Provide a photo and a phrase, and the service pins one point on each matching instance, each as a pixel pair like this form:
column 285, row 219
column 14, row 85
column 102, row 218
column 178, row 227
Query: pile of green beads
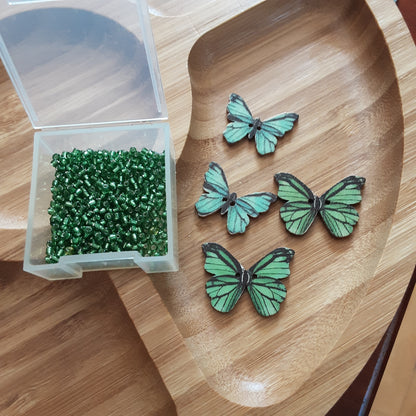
column 105, row 201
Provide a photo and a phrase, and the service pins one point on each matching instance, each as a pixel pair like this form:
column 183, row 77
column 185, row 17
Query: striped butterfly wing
column 226, row 286
column 240, row 117
column 247, row 206
column 216, row 191
column 299, row 212
column 266, row 136
column 265, row 288
column 336, row 211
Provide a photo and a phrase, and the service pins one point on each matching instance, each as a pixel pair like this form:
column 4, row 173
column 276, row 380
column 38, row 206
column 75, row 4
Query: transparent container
column 82, row 62
column 154, row 137
column 86, row 72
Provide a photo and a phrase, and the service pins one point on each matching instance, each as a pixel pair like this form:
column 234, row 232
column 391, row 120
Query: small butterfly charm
column 334, row 205
column 218, row 197
column 262, row 280
column 265, row 132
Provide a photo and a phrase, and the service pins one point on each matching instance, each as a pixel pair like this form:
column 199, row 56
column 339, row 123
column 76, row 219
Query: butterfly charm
column 334, row 205
column 265, row 132
column 262, row 280
column 218, row 197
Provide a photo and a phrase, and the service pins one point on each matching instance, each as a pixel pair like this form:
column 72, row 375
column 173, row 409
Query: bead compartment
column 155, row 137
column 104, row 201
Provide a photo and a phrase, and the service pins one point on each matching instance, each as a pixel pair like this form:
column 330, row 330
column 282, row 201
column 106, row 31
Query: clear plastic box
column 154, row 137
column 87, row 74
column 82, row 62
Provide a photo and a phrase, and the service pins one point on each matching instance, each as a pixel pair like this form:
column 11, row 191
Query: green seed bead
column 69, row 251
column 98, row 226
column 87, row 229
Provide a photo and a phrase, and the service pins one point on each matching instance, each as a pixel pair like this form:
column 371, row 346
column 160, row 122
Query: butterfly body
column 217, row 197
column 262, row 280
column 265, row 133
column 245, row 277
column 228, row 202
column 255, row 126
column 334, row 206
column 317, row 203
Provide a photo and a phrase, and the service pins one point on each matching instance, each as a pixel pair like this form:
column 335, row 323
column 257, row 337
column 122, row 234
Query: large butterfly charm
column 265, row 132
column 218, row 197
column 262, row 280
column 334, row 205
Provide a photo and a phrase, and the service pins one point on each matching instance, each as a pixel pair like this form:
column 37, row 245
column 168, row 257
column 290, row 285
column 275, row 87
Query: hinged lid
column 82, row 62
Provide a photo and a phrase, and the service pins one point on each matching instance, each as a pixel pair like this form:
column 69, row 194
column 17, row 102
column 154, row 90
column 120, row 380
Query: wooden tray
column 348, row 69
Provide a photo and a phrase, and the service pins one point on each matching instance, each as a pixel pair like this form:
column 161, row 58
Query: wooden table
column 126, row 343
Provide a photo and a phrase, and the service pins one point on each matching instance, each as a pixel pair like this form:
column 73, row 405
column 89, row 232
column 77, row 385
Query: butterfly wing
column 338, row 214
column 248, row 206
column 225, row 287
column 236, row 131
column 216, row 188
column 265, row 288
column 271, row 129
column 240, row 117
column 300, row 211
column 238, row 110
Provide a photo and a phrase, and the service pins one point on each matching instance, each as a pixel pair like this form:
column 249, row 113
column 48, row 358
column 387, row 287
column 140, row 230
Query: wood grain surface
column 396, row 393
column 70, row 348
column 348, row 70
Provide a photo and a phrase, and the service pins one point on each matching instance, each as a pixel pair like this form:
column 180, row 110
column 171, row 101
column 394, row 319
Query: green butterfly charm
column 334, row 205
column 218, row 197
column 244, row 125
column 262, row 280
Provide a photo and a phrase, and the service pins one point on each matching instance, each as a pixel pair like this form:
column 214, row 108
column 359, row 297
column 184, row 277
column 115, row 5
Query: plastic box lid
column 82, row 62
